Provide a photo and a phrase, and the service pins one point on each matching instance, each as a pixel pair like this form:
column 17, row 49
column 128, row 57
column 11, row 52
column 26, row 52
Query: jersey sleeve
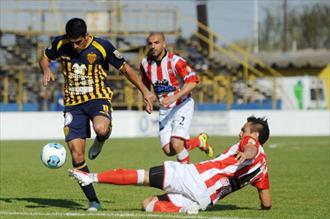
column 186, row 72
column 113, row 55
column 52, row 51
column 263, row 183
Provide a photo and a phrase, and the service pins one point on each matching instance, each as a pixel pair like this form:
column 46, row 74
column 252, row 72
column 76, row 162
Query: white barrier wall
column 49, row 125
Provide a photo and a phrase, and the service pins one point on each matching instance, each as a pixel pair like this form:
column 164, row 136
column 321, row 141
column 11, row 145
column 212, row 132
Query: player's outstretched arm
column 47, row 73
column 265, row 199
column 133, row 76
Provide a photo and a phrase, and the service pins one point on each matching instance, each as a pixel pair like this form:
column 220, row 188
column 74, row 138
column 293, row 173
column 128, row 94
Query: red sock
column 118, row 177
column 165, row 206
column 192, row 143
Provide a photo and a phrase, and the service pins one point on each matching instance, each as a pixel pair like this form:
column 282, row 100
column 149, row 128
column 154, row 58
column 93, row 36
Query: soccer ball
column 53, row 155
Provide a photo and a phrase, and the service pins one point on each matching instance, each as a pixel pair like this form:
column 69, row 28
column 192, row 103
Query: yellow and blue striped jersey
column 85, row 72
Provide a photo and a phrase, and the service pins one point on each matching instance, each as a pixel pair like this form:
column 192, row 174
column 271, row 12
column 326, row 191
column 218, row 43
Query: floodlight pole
column 255, row 27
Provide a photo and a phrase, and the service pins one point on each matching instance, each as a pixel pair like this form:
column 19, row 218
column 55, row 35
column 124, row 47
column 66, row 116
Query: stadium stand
column 230, row 76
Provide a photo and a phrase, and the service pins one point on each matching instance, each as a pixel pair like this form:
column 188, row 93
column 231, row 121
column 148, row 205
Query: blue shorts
column 77, row 118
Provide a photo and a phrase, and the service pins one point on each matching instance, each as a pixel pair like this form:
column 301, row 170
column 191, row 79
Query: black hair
column 75, row 28
column 260, row 125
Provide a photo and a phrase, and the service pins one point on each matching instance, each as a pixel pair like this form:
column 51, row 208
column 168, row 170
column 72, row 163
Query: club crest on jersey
column 117, row 54
column 91, row 58
column 251, row 141
column 163, row 86
column 224, row 181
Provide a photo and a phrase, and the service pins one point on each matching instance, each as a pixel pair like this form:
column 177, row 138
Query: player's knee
column 168, row 151
column 102, row 131
column 148, row 203
column 177, row 144
column 267, row 206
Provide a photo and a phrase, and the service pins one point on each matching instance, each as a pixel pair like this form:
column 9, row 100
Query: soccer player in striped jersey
column 193, row 187
column 87, row 95
column 173, row 81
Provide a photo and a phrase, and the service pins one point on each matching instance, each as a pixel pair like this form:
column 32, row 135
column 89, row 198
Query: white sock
column 182, row 155
column 95, row 177
column 140, row 176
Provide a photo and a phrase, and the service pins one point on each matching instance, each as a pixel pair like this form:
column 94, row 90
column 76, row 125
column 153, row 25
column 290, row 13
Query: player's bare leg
column 102, row 128
column 176, row 147
column 77, row 149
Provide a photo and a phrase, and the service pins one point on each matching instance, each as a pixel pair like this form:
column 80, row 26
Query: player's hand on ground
column 149, row 99
column 167, row 101
column 48, row 75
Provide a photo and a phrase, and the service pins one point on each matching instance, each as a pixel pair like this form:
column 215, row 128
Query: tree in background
column 307, row 28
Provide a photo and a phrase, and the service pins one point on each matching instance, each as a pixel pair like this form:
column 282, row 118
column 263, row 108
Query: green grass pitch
column 299, row 174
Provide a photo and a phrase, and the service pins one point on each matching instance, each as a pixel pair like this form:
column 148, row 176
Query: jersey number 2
column 182, row 120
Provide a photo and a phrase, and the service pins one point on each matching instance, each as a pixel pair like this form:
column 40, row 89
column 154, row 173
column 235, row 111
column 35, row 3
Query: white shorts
column 184, row 185
column 175, row 121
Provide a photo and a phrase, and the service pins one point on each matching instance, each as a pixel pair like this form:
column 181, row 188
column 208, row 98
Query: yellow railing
column 238, row 55
column 231, row 54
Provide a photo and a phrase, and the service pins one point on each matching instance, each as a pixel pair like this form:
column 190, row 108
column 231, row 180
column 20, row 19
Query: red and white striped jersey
column 167, row 76
column 225, row 165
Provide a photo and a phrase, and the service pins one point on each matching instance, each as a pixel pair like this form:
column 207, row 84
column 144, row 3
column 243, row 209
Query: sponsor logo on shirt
column 163, row 86
column 117, row 54
column 79, row 69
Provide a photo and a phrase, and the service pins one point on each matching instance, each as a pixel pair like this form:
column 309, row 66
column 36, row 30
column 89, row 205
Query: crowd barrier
column 126, row 124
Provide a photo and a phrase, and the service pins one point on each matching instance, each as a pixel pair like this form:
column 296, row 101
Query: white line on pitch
column 122, row 214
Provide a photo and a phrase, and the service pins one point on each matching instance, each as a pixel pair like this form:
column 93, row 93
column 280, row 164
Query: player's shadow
column 45, row 202
column 224, row 207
